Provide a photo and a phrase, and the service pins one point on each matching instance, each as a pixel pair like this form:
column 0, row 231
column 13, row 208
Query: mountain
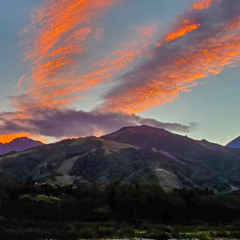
column 142, row 155
column 94, row 161
column 181, row 147
column 18, row 144
column 214, row 165
column 234, row 143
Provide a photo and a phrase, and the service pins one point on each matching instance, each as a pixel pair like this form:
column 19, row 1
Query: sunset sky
column 72, row 68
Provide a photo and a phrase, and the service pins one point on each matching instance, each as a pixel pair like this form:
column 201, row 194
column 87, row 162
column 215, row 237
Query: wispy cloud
column 203, row 4
column 202, row 42
column 62, row 30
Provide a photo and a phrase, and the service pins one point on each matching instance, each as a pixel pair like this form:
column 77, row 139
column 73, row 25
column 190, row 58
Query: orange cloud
column 203, row 4
column 121, row 59
column 19, row 84
column 175, row 68
column 184, row 27
column 113, row 63
column 167, row 83
column 59, row 92
column 147, row 32
column 188, row 26
column 63, row 28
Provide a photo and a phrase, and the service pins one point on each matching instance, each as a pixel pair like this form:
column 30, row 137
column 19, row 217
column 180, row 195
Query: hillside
column 139, row 155
column 18, row 144
column 213, row 164
column 92, row 160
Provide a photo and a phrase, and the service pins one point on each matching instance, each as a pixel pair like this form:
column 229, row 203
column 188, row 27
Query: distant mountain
column 234, row 143
column 18, row 144
column 143, row 155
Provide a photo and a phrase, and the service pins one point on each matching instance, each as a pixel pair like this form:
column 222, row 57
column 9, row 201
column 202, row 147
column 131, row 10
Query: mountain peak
column 19, row 144
column 136, row 134
column 234, row 143
column 21, row 139
column 143, row 136
column 156, row 138
column 141, row 128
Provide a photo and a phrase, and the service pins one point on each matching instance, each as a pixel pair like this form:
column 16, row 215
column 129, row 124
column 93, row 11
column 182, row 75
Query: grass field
column 14, row 229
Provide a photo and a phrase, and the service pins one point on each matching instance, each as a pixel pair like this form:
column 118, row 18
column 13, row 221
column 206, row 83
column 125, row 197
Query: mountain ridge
column 18, row 144
column 142, row 154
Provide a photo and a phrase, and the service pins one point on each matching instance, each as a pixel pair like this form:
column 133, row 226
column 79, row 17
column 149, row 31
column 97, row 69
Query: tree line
column 115, row 202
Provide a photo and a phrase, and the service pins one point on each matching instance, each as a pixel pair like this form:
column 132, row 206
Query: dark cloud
column 61, row 123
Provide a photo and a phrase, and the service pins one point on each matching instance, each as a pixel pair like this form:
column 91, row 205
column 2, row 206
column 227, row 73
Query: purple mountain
column 18, row 144
column 234, row 143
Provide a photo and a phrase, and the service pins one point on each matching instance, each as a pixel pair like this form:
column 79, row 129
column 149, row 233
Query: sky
column 72, row 68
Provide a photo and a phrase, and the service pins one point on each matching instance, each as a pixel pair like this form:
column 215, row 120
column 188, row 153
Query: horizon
column 89, row 136
column 71, row 69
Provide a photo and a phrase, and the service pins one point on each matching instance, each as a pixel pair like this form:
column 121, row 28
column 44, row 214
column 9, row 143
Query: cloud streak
column 203, row 4
column 203, row 41
column 62, row 29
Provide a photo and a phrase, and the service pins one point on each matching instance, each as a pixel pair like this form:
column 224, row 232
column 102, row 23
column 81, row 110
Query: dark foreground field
column 41, row 211
column 29, row 230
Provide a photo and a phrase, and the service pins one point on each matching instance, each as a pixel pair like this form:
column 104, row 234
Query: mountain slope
column 142, row 155
column 234, row 143
column 95, row 161
column 212, row 162
column 18, row 144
